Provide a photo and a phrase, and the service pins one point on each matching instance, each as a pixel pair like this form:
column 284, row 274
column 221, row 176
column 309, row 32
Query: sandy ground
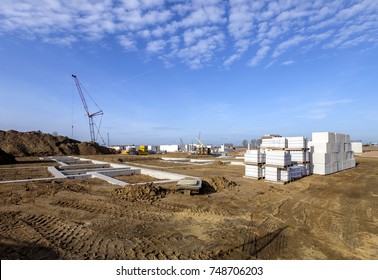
column 317, row 217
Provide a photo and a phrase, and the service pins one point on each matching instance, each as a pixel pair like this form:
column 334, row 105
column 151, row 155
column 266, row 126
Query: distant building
column 169, row 148
column 226, row 148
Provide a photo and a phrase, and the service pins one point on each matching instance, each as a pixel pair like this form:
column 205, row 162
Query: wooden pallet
column 254, row 163
column 278, row 182
column 300, row 162
column 296, row 149
column 279, row 166
column 253, row 178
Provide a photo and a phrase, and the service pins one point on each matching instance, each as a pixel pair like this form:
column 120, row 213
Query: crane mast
column 89, row 115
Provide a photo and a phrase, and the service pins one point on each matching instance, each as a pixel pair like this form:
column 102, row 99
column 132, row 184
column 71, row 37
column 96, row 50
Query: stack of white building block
column 254, row 157
column 357, row 147
column 330, row 153
column 283, row 159
column 274, row 142
column 254, row 160
column 277, row 167
column 279, row 159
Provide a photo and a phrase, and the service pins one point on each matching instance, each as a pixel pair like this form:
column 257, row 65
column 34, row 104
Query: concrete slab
column 56, row 172
column 118, row 172
column 83, row 171
column 109, row 179
column 87, row 166
column 176, row 159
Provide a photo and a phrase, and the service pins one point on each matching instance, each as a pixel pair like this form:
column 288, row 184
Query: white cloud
column 127, row 43
column 321, row 109
column 260, row 55
column 195, row 31
column 204, row 15
column 288, row 62
column 284, row 46
column 192, row 35
column 155, row 46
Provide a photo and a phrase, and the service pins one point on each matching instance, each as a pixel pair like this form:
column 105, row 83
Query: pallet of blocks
column 274, row 143
column 277, row 167
column 254, row 164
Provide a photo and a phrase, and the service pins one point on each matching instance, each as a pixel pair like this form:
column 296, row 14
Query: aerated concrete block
column 254, row 171
column 323, row 137
column 325, row 169
column 324, row 158
column 356, row 147
column 321, row 147
column 272, row 174
column 297, row 142
column 298, row 156
column 279, row 158
column 275, row 142
column 340, row 138
column 285, row 175
column 254, row 156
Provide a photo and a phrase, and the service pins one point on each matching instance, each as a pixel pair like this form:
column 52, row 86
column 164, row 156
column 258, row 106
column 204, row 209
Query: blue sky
column 165, row 70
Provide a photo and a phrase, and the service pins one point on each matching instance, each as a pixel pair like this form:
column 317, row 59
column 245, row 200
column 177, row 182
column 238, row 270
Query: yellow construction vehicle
column 143, row 150
column 130, row 150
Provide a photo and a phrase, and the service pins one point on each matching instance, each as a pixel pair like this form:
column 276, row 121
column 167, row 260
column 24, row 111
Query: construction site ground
column 316, row 217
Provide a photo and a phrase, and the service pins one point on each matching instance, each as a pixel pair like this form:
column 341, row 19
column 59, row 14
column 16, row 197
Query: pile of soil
column 218, row 162
column 218, row 183
column 6, row 158
column 36, row 143
column 147, row 192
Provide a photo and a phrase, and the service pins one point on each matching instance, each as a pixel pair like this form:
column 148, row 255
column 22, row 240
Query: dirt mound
column 217, row 183
column 36, row 143
column 147, row 192
column 218, row 162
column 92, row 148
column 6, row 158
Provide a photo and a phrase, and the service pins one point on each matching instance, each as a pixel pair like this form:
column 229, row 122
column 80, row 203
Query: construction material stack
column 300, row 155
column 279, row 159
column 254, row 164
column 277, row 167
column 331, row 152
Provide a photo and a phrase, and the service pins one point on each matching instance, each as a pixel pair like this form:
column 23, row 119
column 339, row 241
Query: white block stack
column 356, row 147
column 278, row 158
column 272, row 174
column 330, row 153
column 275, row 142
column 254, row 171
column 283, row 159
column 254, row 160
column 297, row 142
column 254, row 157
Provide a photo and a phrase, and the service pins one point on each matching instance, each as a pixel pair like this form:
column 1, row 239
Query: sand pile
column 218, row 183
column 6, row 158
column 147, row 192
column 36, row 143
